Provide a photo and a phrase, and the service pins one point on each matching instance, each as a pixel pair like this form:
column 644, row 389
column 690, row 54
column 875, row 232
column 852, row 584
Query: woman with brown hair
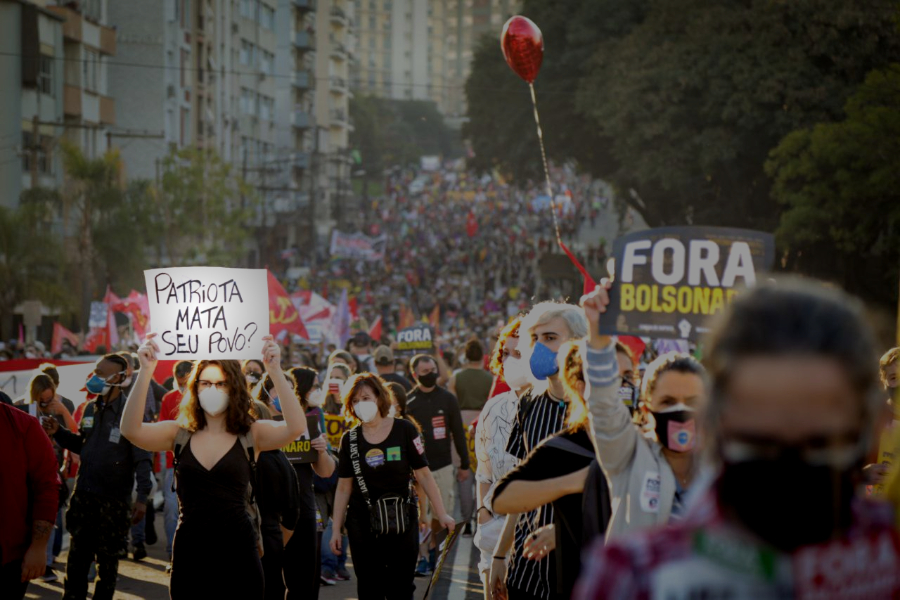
column 214, row 473
column 378, row 460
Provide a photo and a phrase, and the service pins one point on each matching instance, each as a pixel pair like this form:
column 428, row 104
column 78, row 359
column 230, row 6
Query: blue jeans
column 171, row 510
column 329, row 560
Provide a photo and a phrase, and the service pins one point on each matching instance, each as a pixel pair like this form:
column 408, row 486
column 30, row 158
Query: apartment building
column 335, row 43
column 53, row 62
column 423, row 49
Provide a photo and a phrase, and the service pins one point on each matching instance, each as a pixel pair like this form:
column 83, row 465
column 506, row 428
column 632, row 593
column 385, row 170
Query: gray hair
column 544, row 312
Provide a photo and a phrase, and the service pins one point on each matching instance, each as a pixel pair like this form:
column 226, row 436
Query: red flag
column 589, row 283
column 354, row 309
column 96, row 337
column 60, row 333
column 471, row 224
column 435, row 318
column 112, row 331
column 375, row 331
column 407, row 319
column 283, row 315
column 137, row 307
column 635, row 344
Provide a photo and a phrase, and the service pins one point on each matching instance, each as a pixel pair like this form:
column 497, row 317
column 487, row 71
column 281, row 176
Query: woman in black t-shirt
column 390, row 453
column 555, row 472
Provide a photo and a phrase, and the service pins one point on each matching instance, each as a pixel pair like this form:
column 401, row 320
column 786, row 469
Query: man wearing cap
column 384, row 362
column 359, row 346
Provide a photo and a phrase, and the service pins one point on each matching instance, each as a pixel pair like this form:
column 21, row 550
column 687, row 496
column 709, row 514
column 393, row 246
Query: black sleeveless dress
column 214, row 554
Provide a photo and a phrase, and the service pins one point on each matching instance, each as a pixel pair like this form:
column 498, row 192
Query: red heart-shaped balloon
column 523, row 47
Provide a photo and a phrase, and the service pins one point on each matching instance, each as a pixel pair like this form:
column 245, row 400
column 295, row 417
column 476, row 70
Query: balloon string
column 537, row 120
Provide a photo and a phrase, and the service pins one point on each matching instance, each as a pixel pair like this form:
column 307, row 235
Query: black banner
column 415, row 340
column 301, row 451
column 669, row 281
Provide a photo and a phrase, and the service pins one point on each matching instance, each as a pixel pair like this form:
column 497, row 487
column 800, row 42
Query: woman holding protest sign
column 649, row 476
column 215, row 441
column 378, row 460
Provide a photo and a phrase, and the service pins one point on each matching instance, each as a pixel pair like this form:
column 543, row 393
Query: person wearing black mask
column 793, row 398
column 100, row 510
column 437, row 412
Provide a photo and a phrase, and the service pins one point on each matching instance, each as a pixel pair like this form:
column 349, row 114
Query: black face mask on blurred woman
column 428, row 379
column 787, row 501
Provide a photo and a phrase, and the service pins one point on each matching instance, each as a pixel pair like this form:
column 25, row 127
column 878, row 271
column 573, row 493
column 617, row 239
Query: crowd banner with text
column 208, row 312
column 357, row 245
column 417, row 339
column 669, row 281
column 335, row 426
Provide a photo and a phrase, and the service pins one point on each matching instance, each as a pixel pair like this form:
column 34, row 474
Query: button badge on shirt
column 374, row 458
column 439, row 427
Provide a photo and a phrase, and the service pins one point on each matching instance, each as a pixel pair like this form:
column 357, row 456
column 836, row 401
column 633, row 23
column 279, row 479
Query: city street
column 147, row 579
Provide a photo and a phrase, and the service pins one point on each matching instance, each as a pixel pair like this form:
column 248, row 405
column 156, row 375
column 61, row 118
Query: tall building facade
column 53, row 63
column 423, row 49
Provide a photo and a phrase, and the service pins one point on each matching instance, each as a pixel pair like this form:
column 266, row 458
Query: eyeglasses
column 220, row 385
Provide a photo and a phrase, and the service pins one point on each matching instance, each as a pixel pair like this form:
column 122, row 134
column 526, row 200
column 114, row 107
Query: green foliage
column 202, row 211
column 398, row 132
column 31, row 263
column 679, row 101
column 839, row 184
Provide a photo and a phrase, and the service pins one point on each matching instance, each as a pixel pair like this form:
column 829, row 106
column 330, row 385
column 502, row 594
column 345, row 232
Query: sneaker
column 467, row 531
column 139, row 553
column 422, row 569
column 168, row 568
column 342, row 574
column 92, row 572
column 49, row 575
column 323, row 580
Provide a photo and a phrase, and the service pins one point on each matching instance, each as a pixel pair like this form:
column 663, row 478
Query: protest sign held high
column 300, row 450
column 670, row 280
column 415, row 339
column 208, row 312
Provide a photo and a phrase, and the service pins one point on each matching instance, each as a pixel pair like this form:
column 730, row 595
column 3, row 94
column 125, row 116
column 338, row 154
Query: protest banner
column 208, row 312
column 444, row 552
column 335, row 426
column 669, row 281
column 300, row 450
column 414, row 340
column 357, row 245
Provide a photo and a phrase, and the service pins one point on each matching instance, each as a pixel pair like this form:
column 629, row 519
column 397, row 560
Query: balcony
column 339, row 118
column 338, row 17
column 74, row 25
column 301, row 119
column 303, row 41
column 338, row 85
column 304, row 4
column 338, row 50
column 107, row 110
column 301, row 160
column 71, row 101
column 302, row 80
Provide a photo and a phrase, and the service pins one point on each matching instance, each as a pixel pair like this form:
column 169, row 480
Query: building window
column 246, row 52
column 185, row 13
column 247, row 9
column 247, row 102
column 45, row 75
column 267, row 62
column 89, row 70
column 266, row 108
column 267, row 17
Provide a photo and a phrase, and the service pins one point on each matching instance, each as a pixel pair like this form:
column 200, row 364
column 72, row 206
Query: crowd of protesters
column 753, row 471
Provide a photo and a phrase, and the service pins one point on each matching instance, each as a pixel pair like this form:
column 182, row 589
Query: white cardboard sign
column 208, row 312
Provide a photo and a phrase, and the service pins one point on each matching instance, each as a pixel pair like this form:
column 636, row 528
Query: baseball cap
column 361, row 339
column 383, row 355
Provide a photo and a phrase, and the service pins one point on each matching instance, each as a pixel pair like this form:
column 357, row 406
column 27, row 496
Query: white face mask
column 392, row 411
column 366, row 410
column 515, row 372
column 316, row 398
column 127, row 381
column 213, row 401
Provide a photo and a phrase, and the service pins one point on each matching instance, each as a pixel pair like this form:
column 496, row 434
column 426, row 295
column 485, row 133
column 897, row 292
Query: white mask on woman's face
column 213, row 401
column 316, row 398
column 515, row 372
column 392, row 411
column 366, row 410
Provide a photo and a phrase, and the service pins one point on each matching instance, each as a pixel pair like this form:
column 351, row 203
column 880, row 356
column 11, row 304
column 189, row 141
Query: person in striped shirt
column 541, row 413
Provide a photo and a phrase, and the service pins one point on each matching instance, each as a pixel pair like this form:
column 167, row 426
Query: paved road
column 148, row 580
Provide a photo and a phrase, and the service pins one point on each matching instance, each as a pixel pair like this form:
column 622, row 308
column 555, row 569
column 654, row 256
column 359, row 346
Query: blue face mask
column 96, row 385
column 277, row 403
column 543, row 362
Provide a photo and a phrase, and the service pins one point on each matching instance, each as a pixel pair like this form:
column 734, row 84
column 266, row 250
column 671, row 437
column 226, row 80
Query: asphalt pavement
column 148, row 580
